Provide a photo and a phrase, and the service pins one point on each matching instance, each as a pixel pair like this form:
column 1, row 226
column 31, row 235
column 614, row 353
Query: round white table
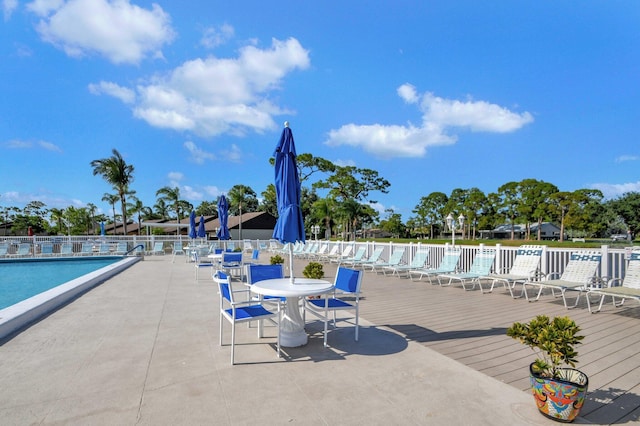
column 292, row 333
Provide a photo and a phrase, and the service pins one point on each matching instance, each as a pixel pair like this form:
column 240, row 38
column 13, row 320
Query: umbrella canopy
column 201, row 231
column 102, row 228
column 290, row 225
column 223, row 216
column 192, row 224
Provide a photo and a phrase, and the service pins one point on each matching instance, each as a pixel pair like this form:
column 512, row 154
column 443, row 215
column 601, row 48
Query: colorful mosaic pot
column 559, row 399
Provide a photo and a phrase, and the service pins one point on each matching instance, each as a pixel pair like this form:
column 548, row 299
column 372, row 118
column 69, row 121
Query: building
column 548, row 231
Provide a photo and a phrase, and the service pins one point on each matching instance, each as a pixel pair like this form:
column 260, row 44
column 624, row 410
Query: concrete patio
column 142, row 348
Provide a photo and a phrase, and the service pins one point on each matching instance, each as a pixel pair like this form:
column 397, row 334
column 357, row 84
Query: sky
column 433, row 95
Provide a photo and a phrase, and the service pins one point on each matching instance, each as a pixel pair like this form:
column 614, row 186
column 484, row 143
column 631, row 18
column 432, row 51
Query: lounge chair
column 178, row 249
column 325, row 258
column 525, row 267
column 66, row 249
column 622, row 288
column 104, row 249
column 46, row 249
column 349, row 261
column 4, row 249
column 24, row 249
column 419, row 261
column 448, row 264
column 158, row 248
column 86, row 249
column 121, row 248
column 481, row 266
column 394, row 260
column 375, row 257
column 346, row 253
column 579, row 275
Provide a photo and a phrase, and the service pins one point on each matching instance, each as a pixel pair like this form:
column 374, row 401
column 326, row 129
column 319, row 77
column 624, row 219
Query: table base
column 292, row 333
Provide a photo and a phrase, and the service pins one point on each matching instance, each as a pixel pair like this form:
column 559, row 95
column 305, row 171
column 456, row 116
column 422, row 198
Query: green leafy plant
column 277, row 259
column 553, row 341
column 313, row 270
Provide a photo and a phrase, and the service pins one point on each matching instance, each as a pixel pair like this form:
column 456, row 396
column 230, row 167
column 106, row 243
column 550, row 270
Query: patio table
column 292, row 333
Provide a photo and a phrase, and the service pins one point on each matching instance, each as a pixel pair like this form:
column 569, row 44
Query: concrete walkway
column 142, row 348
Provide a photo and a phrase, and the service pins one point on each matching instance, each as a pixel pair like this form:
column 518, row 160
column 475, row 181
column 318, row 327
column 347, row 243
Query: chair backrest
column 581, row 266
column 360, row 253
column 24, row 248
column 87, row 248
column 224, row 285
column 105, row 248
column 255, row 255
column 419, row 259
column 483, row 262
column 4, row 248
column 632, row 274
column 348, row 280
column 396, row 257
column 527, row 260
column 450, row 260
column 122, row 247
column 376, row 254
column 334, row 250
column 66, row 248
column 232, row 258
column 257, row 273
column 158, row 246
column 347, row 251
column 46, row 248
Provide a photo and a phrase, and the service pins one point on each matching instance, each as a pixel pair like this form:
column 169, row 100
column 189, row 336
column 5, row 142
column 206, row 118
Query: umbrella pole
column 291, row 278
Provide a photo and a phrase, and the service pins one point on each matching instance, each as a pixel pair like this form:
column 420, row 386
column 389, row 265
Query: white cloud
column 344, row 163
column 623, row 158
column 214, row 37
column 613, row 190
column 213, row 96
column 439, row 116
column 233, row 154
column 20, row 199
column 198, row 155
column 212, row 191
column 175, row 178
column 21, row 144
column 115, row 29
column 190, row 193
column 126, row 95
column 8, row 6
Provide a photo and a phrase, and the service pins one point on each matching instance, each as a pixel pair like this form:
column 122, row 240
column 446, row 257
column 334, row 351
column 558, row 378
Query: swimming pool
column 32, row 288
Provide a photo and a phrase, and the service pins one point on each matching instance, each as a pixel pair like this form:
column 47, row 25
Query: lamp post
column 453, row 225
column 315, row 230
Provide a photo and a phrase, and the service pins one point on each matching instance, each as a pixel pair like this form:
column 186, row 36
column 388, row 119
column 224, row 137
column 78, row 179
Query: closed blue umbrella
column 290, row 225
column 102, row 228
column 223, row 216
column 201, row 231
column 192, row 225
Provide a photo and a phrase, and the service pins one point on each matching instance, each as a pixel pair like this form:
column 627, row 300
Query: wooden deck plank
column 470, row 327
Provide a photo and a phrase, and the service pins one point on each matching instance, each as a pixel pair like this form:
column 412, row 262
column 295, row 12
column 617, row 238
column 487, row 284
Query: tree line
column 347, row 207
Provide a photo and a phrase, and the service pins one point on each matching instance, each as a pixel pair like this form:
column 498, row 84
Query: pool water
column 22, row 279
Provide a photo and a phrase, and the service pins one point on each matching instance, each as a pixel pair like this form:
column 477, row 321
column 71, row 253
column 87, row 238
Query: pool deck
column 142, row 349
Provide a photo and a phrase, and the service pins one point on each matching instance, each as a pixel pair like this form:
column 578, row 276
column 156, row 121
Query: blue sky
column 434, row 95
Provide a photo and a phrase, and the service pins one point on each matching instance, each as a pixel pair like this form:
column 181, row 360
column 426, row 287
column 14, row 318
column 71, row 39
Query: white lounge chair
column 525, row 267
column 419, row 261
column 621, row 288
column 394, row 260
column 579, row 275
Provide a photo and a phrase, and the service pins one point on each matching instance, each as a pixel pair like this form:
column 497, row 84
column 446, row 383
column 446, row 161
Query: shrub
column 277, row 259
column 313, row 270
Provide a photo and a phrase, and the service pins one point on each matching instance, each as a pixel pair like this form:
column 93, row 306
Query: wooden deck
column 470, row 327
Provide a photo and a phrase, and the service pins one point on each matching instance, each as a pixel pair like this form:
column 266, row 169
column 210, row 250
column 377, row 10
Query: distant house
column 548, row 231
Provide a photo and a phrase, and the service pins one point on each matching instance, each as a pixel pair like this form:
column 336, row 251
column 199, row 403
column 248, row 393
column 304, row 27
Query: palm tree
column 91, row 208
column 171, row 196
column 57, row 216
column 119, row 174
column 136, row 206
column 112, row 199
column 239, row 195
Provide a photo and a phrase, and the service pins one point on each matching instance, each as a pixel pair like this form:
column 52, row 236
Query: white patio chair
column 241, row 312
column 347, row 284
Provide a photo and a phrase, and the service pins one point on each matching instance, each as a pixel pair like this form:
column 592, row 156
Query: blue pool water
column 22, row 279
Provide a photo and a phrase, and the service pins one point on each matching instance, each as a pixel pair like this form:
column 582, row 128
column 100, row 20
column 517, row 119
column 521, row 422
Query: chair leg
column 357, row 322
column 233, row 341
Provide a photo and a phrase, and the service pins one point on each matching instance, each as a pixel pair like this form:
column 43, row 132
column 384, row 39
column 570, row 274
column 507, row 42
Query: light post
column 315, row 230
column 453, row 225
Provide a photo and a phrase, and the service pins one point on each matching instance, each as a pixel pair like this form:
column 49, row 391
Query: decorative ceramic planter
column 557, row 399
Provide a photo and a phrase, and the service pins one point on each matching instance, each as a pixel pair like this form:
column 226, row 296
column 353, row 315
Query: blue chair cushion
column 246, row 312
column 333, row 303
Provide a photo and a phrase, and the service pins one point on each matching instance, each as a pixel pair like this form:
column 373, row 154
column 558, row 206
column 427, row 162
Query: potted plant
column 559, row 390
